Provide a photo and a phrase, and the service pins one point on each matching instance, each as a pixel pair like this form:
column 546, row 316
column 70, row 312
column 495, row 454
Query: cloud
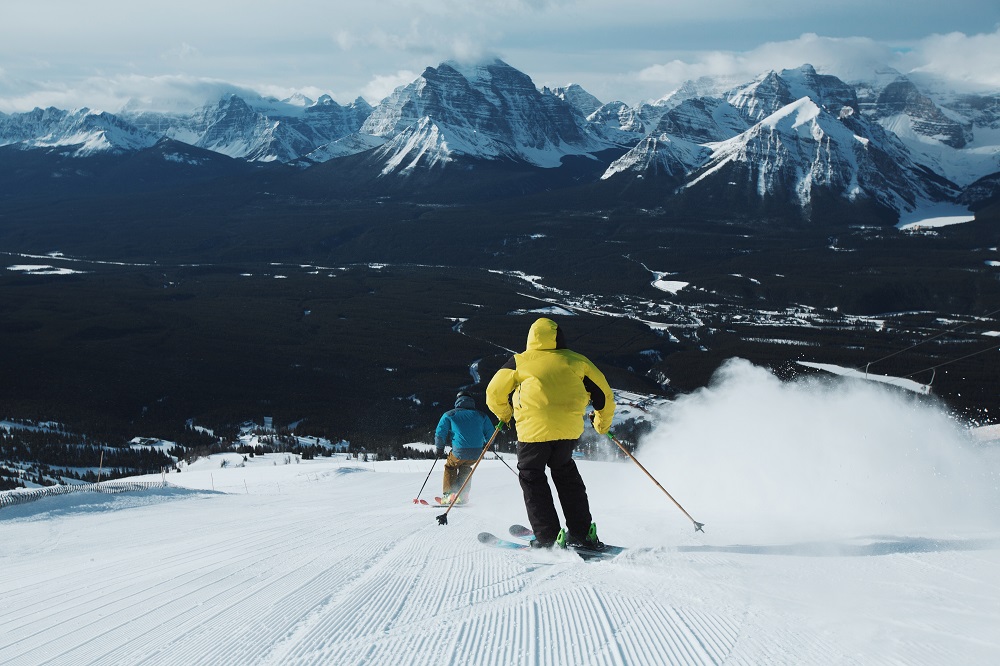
column 845, row 57
column 631, row 50
column 166, row 93
column 425, row 40
column 17, row 95
column 382, row 85
column 170, row 92
column 413, row 39
column 498, row 8
column 155, row 93
column 182, row 51
column 345, row 39
column 464, row 48
column 968, row 61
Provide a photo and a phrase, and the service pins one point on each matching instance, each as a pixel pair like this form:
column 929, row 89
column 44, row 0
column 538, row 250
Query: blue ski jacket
column 465, row 428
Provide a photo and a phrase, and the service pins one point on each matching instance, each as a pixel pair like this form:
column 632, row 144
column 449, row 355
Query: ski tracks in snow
column 460, row 603
column 314, row 576
column 284, row 580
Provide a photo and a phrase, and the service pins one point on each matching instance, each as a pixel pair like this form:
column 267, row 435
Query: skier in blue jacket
column 467, row 430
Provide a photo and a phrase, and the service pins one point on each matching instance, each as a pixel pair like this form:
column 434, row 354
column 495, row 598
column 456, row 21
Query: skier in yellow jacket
column 546, row 390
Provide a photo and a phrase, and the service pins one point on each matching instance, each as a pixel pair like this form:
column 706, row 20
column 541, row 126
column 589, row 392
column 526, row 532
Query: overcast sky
column 176, row 54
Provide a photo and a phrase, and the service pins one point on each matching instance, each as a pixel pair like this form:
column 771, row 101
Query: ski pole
column 417, row 500
column 506, row 465
column 443, row 518
column 697, row 526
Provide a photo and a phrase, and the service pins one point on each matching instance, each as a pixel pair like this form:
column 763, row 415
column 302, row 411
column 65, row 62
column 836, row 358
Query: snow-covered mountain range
column 902, row 142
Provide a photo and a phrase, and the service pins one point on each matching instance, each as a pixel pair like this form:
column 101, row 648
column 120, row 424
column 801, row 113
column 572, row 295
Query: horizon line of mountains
column 793, row 136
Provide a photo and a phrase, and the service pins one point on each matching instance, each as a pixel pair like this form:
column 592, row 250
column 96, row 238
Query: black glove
column 440, row 453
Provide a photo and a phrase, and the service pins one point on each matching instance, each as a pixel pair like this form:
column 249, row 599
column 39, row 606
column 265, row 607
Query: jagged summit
column 802, row 148
column 483, row 111
column 579, row 98
column 705, row 86
column 827, row 91
column 85, row 131
column 298, row 99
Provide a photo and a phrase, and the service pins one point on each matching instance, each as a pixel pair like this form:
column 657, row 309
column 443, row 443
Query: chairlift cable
column 933, row 337
column 954, row 360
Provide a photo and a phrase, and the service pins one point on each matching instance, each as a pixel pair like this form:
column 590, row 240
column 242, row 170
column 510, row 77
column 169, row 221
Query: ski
column 522, row 532
column 440, row 502
column 497, row 542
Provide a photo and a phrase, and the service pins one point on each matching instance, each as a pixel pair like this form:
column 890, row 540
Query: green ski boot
column 590, row 542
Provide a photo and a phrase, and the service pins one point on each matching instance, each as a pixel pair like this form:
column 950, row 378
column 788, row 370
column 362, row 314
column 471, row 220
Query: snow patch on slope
column 932, row 216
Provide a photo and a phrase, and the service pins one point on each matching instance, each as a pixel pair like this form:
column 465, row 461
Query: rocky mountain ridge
column 893, row 140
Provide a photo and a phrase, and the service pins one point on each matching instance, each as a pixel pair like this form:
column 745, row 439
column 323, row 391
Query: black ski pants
column 557, row 455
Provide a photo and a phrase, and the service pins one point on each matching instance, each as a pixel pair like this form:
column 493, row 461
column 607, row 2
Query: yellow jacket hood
column 547, row 388
column 544, row 334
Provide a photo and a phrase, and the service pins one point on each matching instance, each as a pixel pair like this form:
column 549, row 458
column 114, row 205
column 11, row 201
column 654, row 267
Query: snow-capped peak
column 86, row 130
column 299, row 99
column 487, row 110
column 579, row 98
column 800, row 116
column 802, row 147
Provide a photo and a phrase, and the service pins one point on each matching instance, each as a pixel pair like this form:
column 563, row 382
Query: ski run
column 844, row 524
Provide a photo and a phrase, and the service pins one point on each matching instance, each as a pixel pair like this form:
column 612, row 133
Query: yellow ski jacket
column 547, row 387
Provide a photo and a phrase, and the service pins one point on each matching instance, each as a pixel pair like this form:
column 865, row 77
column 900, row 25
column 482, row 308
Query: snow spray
column 821, row 457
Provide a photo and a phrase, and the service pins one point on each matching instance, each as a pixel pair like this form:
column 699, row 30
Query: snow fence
column 12, row 497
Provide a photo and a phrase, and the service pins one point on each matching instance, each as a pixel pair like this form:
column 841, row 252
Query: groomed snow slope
column 845, row 524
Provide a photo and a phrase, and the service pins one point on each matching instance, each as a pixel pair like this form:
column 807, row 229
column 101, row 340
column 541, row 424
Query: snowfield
column 845, row 523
